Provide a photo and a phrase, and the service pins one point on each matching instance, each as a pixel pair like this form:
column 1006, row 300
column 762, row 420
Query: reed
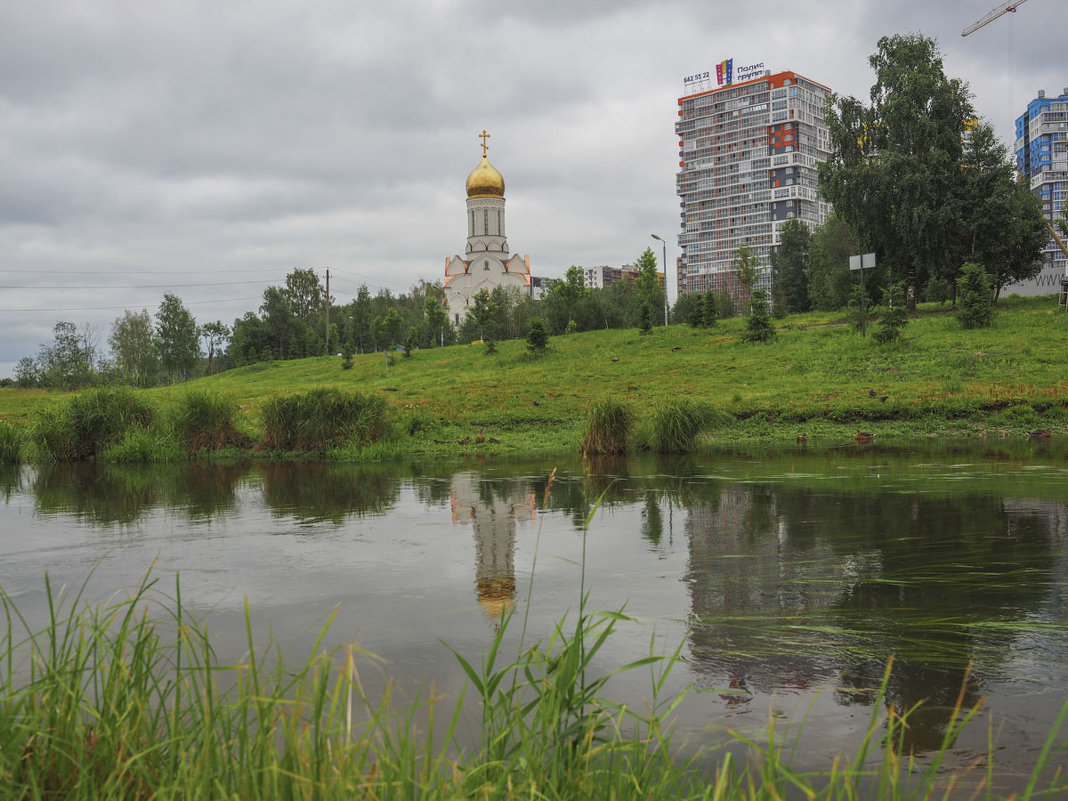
column 205, row 421
column 608, row 428
column 98, row 703
column 676, row 426
column 10, row 444
column 89, row 423
column 323, row 418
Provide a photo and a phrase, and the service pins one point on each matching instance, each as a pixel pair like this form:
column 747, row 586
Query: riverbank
column 818, row 377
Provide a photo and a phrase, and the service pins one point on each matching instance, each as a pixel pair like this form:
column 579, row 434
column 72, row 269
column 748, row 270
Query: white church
column 487, row 264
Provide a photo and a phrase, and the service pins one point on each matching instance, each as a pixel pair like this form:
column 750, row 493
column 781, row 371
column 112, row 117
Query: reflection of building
column 493, row 520
column 1042, row 160
column 748, row 152
column 487, row 264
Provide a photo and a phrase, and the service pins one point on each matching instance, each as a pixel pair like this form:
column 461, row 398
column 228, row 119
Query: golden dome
column 485, row 181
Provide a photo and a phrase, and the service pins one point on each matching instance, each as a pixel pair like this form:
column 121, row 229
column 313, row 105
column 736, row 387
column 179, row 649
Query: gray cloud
column 196, row 142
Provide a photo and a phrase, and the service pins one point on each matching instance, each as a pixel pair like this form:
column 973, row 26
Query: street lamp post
column 664, row 243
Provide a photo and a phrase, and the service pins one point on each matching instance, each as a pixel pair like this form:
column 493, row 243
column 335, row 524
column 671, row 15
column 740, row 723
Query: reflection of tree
column 492, row 509
column 652, row 519
column 99, row 494
column 791, row 586
column 313, row 491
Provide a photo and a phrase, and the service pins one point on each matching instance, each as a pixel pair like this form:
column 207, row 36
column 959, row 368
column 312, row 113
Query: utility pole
column 327, row 337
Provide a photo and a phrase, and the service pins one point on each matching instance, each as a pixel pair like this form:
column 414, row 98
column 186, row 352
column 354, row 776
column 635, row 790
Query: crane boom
column 1004, row 8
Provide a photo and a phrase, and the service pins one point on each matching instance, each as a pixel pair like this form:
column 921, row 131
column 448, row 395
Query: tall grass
column 98, row 703
column 323, row 418
column 10, row 444
column 676, row 425
column 89, row 423
column 205, row 421
column 608, row 428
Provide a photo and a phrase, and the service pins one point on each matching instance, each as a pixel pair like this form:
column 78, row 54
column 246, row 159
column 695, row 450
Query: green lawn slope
column 817, row 377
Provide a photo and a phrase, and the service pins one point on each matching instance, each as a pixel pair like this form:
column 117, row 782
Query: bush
column 608, row 429
column 537, row 337
column 10, row 444
column 975, row 297
column 204, row 421
column 676, row 425
column 88, row 424
column 758, row 325
column 893, row 316
column 323, row 418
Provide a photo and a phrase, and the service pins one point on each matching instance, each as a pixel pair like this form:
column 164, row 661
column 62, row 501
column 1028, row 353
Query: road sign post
column 862, row 262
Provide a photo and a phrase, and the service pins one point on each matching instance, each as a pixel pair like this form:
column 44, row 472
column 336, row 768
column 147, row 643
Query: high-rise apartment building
column 1042, row 159
column 748, row 152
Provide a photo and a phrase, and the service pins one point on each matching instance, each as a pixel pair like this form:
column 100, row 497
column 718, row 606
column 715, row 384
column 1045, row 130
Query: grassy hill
column 817, row 376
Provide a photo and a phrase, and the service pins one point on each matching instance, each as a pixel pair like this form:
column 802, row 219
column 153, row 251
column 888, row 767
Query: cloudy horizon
column 209, row 150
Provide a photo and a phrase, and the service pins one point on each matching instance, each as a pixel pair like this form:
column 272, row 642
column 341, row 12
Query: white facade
column 486, row 263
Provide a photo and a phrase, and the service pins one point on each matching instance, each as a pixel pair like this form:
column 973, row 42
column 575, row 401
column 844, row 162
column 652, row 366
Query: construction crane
column 1005, row 8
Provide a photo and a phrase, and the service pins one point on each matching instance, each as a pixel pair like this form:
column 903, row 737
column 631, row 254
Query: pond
column 787, row 577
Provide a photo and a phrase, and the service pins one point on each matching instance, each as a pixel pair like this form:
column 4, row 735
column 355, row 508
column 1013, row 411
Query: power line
column 134, row 306
column 132, row 286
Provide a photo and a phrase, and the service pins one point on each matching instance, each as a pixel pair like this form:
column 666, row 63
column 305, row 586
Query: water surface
column 789, row 577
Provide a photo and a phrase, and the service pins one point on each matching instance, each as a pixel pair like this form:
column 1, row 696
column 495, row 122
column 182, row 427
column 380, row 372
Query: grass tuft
column 323, row 418
column 89, row 423
column 204, row 421
column 609, row 426
column 10, row 444
column 676, row 425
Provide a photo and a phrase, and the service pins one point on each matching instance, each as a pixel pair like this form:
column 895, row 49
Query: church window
column 485, row 221
column 498, row 223
column 472, row 221
column 485, row 265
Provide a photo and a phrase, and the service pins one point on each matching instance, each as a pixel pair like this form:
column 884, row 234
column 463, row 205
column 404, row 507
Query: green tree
column 1003, row 226
column 830, row 280
column 66, row 363
column 387, row 329
column 563, row 299
column 895, row 163
column 278, row 315
column 177, row 337
column 436, row 322
column 537, row 337
column 214, row 335
column 975, row 297
column 789, row 266
column 360, row 316
column 709, row 309
column 746, row 270
column 27, row 373
column 647, row 285
column 305, row 294
column 481, row 317
column 133, row 348
column 758, row 325
column 893, row 315
column 250, row 338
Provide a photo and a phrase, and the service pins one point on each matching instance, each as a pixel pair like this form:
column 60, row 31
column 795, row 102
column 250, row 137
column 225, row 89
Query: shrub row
column 121, row 422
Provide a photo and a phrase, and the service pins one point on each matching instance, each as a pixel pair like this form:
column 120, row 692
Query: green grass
column 817, row 378
column 323, row 418
column 88, row 424
column 126, row 700
column 609, row 428
column 10, row 444
column 205, row 421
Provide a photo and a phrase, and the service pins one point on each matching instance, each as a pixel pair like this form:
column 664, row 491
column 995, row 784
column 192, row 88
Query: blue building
column 1042, row 160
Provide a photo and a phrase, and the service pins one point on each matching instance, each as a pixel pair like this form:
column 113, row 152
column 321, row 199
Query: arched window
column 485, row 264
column 485, row 221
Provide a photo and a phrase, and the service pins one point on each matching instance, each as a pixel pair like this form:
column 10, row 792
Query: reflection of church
column 487, row 264
column 494, row 525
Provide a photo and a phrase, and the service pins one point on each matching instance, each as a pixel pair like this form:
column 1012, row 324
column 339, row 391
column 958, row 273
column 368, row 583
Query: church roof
column 485, row 181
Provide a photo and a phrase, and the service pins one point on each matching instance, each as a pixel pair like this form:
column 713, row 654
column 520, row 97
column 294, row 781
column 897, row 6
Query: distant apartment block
column 748, row 150
column 602, row 276
column 1042, row 160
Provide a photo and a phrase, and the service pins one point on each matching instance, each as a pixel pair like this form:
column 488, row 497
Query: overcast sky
column 207, row 148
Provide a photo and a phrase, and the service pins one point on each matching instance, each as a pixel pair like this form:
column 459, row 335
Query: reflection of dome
column 485, row 181
column 495, row 596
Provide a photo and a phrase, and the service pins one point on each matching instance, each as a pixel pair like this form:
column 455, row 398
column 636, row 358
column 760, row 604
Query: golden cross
column 484, row 136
